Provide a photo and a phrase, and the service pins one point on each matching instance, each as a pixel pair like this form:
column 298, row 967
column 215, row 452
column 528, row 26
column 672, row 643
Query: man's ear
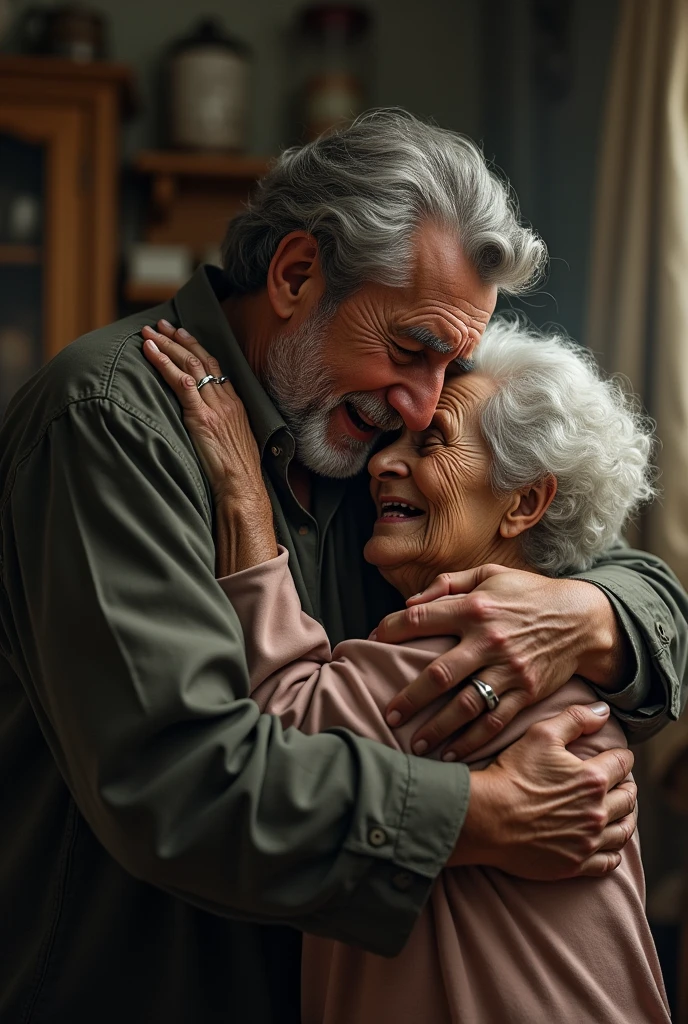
column 295, row 278
column 528, row 507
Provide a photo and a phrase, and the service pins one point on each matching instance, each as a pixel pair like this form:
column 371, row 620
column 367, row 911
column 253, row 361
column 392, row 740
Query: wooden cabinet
column 192, row 196
column 59, row 186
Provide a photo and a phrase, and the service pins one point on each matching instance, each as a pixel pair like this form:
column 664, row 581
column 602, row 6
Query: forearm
column 245, row 535
column 606, row 656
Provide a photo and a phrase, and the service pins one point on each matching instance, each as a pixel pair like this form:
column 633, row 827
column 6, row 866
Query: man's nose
column 416, row 403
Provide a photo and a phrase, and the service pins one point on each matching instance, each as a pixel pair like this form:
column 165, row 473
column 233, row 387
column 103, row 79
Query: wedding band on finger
column 486, row 692
column 210, row 378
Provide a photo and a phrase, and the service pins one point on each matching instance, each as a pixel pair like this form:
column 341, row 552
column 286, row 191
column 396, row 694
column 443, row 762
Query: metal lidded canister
column 208, row 77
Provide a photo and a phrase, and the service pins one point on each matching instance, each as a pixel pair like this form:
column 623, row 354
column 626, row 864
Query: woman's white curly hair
column 554, row 413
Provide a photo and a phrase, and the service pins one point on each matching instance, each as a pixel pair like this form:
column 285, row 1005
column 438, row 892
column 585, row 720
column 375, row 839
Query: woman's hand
column 221, row 434
column 214, row 416
column 523, row 634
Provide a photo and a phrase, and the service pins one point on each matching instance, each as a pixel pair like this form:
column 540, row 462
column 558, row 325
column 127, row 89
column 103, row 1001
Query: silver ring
column 221, row 380
column 210, row 378
column 486, row 692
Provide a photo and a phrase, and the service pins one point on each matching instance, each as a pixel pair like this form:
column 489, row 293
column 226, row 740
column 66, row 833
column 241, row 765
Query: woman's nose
column 389, row 463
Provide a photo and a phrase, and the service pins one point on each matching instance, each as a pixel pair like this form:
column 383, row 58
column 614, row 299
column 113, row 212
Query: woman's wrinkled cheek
column 448, row 512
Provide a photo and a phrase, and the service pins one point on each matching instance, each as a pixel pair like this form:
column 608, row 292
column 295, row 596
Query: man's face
column 377, row 362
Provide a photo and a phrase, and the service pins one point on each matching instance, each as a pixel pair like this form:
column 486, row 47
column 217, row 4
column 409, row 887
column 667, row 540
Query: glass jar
column 208, row 77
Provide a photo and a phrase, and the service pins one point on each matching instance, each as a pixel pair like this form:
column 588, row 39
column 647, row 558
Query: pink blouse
column 488, row 948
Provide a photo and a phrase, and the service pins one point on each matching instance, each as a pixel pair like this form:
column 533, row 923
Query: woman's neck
column 413, row 578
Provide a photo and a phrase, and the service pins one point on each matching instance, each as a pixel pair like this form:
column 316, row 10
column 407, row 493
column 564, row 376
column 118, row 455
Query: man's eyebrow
column 463, row 365
column 427, row 338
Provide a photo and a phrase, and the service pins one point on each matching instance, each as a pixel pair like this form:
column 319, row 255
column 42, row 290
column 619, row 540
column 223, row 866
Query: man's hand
column 540, row 812
column 523, row 634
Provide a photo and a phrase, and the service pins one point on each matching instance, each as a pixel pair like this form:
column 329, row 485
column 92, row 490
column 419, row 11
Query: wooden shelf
column 20, row 255
column 183, row 164
column 43, row 69
column 146, row 294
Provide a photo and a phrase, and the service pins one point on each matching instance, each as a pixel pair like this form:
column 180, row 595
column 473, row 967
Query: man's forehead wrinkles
column 461, row 305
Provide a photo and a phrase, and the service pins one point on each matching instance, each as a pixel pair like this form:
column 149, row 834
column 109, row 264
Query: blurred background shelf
column 178, row 163
column 191, row 198
column 20, row 255
column 143, row 294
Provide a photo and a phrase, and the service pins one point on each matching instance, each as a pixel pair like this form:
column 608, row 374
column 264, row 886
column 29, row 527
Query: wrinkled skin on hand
column 540, row 812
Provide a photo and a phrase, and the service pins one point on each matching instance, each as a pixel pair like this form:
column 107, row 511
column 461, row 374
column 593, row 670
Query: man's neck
column 247, row 318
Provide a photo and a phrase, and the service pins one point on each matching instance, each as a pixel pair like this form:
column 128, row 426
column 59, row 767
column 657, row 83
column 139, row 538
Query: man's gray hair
column 553, row 412
column 363, row 191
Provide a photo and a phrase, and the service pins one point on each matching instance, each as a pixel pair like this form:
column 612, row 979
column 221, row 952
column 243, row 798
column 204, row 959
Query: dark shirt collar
column 199, row 311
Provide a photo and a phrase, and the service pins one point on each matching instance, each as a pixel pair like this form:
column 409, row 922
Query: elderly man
column 154, row 822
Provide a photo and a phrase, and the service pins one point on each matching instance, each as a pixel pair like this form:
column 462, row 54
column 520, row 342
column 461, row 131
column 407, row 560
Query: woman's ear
column 528, row 507
column 295, row 278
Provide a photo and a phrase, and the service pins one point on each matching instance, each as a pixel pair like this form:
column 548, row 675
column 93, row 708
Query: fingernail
column 414, row 596
column 373, row 636
column 449, row 756
column 151, row 344
column 183, row 333
column 420, row 747
column 167, row 324
column 393, row 718
column 600, row 708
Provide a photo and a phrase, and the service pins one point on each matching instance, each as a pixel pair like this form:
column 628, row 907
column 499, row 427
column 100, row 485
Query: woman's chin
column 385, row 551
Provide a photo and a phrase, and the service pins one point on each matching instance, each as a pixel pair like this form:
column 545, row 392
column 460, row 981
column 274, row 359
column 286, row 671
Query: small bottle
column 334, row 58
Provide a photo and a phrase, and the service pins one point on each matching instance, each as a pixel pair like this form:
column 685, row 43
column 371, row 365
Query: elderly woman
column 532, row 461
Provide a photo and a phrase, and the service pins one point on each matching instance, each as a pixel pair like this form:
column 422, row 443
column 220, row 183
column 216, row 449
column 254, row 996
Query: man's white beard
column 301, row 387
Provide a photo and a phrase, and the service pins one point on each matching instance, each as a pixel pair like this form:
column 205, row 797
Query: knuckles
column 417, row 615
column 443, row 582
column 493, row 723
column 440, row 675
column 479, row 608
column 595, row 782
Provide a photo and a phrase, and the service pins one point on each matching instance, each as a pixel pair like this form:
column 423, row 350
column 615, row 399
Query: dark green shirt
column 153, row 821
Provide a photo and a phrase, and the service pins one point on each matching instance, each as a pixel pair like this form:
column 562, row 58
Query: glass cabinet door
column 22, row 190
column 43, row 259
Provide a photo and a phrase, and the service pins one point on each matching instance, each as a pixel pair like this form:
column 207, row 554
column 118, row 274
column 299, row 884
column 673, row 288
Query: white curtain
column 638, row 308
column 638, row 325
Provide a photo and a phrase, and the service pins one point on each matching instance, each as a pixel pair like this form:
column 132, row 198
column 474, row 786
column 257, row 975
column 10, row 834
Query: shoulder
column 104, row 372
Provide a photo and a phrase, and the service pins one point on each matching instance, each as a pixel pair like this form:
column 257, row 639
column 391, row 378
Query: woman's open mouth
column 395, row 511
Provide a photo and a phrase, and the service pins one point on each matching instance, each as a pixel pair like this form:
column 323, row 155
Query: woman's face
column 436, row 509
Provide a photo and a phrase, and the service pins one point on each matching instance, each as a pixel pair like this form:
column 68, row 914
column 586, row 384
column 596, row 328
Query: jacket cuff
column 652, row 695
column 407, row 854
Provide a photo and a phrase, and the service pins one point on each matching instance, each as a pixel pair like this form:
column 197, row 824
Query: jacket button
column 304, row 531
column 276, row 450
column 402, row 881
column 377, row 837
column 662, row 633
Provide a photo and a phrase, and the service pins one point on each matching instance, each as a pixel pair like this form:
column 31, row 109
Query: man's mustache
column 376, row 409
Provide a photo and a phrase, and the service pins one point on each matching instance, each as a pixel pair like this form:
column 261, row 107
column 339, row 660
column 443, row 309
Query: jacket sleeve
column 138, row 676
column 652, row 609
column 294, row 674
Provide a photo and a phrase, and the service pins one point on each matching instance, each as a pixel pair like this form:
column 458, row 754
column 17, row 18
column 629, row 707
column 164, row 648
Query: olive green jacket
column 153, row 821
